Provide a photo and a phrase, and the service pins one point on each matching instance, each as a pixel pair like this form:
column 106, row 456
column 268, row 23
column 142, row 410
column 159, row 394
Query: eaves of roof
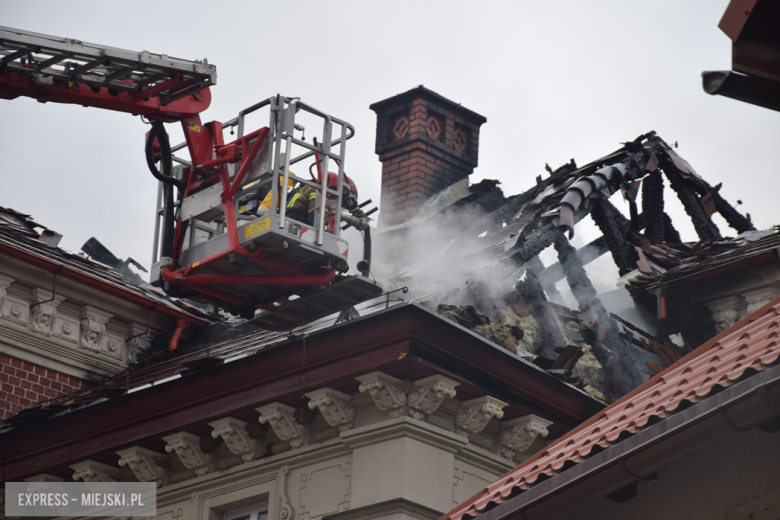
column 406, row 341
column 694, row 266
column 91, row 274
column 749, row 347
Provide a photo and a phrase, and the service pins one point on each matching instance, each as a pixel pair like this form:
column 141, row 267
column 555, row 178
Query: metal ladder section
column 99, row 66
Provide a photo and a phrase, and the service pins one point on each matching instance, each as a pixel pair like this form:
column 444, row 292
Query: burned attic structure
column 473, row 253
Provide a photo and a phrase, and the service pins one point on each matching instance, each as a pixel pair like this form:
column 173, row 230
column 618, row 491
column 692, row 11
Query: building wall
column 354, row 456
column 57, row 336
column 366, row 469
column 737, row 478
column 24, row 384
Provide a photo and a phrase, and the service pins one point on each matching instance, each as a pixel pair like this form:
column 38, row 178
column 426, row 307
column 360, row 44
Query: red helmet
column 349, row 187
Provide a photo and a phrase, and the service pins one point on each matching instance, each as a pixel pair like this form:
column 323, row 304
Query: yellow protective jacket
column 267, row 200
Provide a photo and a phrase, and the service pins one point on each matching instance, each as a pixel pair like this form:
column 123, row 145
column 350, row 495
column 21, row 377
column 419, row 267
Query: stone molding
column 518, row 434
column 282, row 420
column 145, row 465
column 474, row 414
column 234, row 433
column 484, row 459
column 402, row 398
column 404, row 427
column 285, row 508
column 759, row 297
column 334, row 406
column 93, row 327
column 187, row 447
column 92, row 471
column 724, row 312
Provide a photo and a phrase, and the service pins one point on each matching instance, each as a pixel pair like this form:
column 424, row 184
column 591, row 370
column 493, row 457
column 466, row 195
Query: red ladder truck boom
column 212, row 244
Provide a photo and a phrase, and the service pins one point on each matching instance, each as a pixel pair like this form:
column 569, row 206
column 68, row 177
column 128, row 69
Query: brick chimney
column 425, row 143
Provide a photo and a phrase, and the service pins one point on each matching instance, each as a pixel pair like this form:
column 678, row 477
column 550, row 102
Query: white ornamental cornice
column 43, row 311
column 474, row 414
column 428, row 393
column 92, row 471
column 93, row 326
column 138, row 342
column 187, row 447
column 334, row 406
column 234, row 433
column 389, row 393
column 518, row 434
column 282, row 420
column 145, row 465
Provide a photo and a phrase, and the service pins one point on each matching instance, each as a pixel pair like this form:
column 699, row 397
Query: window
column 256, row 512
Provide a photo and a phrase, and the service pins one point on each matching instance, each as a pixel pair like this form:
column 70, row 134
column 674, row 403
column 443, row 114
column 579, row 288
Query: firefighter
column 265, row 206
column 303, row 202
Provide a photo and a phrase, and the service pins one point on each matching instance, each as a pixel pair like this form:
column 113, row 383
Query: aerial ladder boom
column 211, row 244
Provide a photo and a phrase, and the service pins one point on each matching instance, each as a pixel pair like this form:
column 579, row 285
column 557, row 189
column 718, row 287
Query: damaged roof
column 747, row 348
column 19, row 239
column 667, row 263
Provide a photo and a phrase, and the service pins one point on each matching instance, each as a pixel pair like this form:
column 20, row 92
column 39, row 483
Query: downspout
column 180, row 326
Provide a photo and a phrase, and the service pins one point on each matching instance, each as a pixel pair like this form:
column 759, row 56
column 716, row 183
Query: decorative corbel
column 428, row 394
column 93, row 326
column 388, row 392
column 43, row 312
column 334, row 406
column 187, row 447
column 137, row 343
column 474, row 414
column 144, row 464
column 518, row 434
column 91, row 471
column 759, row 297
column 280, row 417
column 237, row 439
column 724, row 312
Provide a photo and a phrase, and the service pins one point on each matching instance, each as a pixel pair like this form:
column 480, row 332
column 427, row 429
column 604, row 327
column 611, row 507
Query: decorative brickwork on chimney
column 425, row 143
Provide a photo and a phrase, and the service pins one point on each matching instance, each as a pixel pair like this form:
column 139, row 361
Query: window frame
column 257, row 511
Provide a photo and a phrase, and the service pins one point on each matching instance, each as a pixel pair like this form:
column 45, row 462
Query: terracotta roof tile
column 752, row 343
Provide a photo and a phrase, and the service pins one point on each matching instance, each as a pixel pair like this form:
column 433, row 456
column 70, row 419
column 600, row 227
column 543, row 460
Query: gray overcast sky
column 556, row 80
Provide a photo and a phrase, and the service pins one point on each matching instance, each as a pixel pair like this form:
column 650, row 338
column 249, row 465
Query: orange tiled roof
column 722, row 361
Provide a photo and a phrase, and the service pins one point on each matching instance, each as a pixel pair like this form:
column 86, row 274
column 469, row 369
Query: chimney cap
column 426, row 93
